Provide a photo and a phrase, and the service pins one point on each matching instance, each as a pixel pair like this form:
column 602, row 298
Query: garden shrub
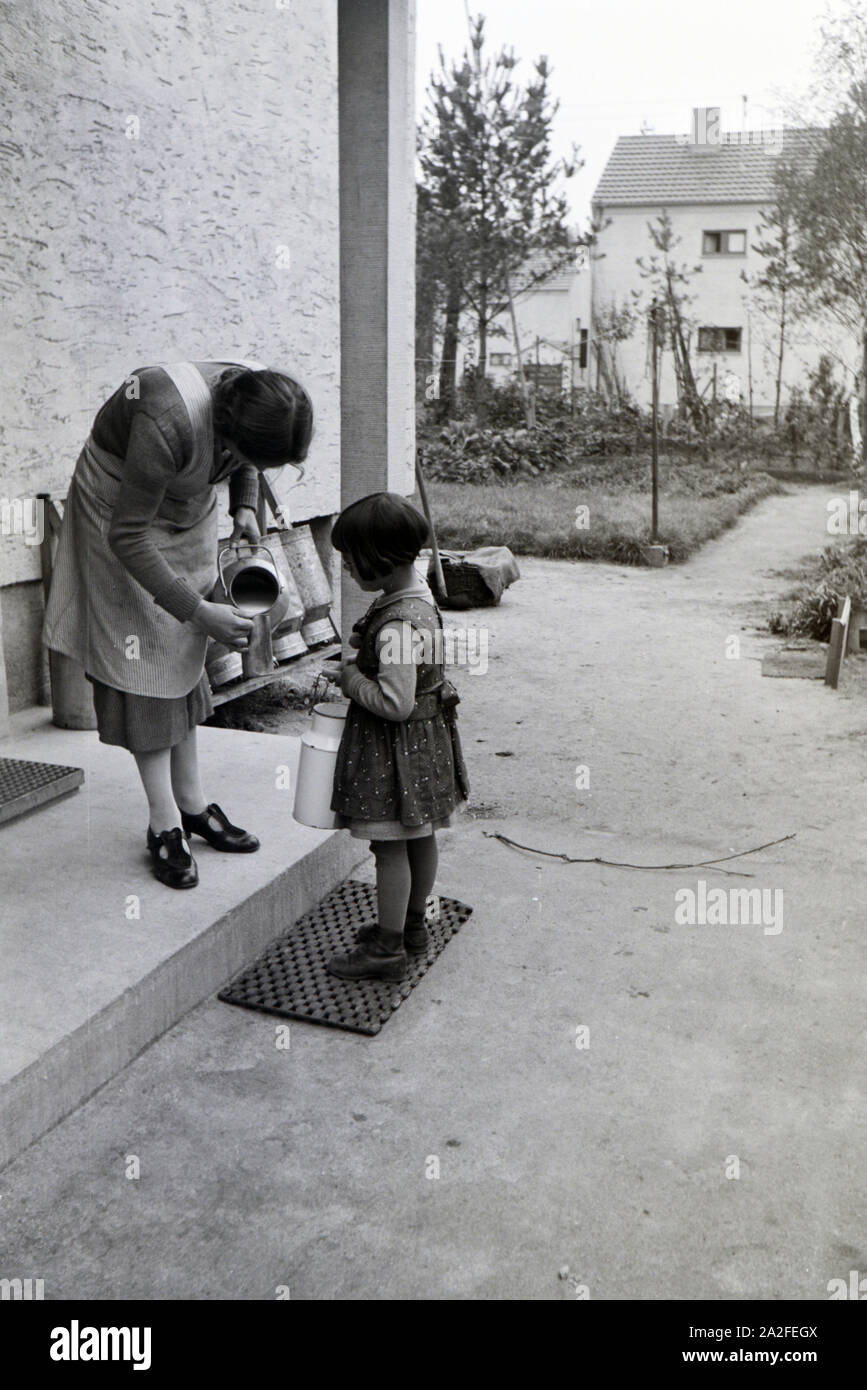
column 839, row 571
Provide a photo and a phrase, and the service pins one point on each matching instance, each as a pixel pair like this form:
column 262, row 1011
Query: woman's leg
column 213, row 826
column 186, row 779
column 392, row 889
column 423, row 859
column 155, row 772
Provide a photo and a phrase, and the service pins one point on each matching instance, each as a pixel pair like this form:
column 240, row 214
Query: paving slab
column 804, row 663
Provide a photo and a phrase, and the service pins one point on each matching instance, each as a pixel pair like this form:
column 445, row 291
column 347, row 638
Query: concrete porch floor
column 98, row 958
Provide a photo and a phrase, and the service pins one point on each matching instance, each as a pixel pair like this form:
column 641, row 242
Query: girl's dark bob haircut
column 379, row 533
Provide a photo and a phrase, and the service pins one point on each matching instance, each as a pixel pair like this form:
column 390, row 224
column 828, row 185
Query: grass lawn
column 538, row 516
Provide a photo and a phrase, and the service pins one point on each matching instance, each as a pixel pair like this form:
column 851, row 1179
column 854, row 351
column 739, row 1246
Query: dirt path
column 703, row 1139
column 629, row 672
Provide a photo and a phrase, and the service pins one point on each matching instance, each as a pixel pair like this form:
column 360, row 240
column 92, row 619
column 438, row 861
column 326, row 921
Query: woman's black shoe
column 224, row 835
column 174, row 865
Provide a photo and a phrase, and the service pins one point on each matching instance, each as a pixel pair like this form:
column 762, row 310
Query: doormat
column 291, row 980
column 25, row 785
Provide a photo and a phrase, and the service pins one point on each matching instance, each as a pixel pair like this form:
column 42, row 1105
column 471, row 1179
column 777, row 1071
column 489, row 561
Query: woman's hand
column 224, row 624
column 246, row 526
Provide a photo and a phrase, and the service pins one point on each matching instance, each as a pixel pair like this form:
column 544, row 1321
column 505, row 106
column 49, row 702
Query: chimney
column 706, row 132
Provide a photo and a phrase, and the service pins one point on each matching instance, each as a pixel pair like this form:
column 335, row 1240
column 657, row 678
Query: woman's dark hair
column 266, row 414
column 380, row 532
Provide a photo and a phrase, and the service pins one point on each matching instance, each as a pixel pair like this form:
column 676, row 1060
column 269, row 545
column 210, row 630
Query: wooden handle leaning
column 437, row 562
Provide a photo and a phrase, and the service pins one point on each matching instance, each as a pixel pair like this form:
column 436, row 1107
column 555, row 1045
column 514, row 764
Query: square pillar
column 4, row 698
column 376, row 41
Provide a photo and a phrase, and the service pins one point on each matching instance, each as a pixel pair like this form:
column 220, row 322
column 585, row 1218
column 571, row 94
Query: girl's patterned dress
column 401, row 779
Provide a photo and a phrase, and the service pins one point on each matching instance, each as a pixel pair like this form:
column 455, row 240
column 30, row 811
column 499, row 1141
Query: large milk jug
column 315, row 782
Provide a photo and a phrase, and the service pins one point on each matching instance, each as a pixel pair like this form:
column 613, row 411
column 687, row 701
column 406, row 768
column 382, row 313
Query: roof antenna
column 646, row 127
column 743, row 118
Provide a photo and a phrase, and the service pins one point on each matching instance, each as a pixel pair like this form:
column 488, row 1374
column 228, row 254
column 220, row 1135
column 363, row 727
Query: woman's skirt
column 145, row 723
column 100, row 615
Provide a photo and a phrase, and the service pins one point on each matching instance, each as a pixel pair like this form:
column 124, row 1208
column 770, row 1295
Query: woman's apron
column 97, row 612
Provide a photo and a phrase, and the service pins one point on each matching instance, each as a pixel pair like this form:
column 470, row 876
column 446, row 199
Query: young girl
column 400, row 772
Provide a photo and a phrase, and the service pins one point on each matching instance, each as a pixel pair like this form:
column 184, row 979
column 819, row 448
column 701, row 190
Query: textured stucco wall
column 720, row 298
column 170, row 190
column 4, row 693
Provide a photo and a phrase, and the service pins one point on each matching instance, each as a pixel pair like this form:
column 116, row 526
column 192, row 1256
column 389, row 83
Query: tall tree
column 828, row 191
column 440, row 254
column 828, row 197
column 840, row 60
column 669, row 283
column 612, row 324
column 490, row 180
column 779, row 277
column 428, row 291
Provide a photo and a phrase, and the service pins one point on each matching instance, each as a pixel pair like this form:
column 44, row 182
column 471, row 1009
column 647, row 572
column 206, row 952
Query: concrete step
column 98, row 959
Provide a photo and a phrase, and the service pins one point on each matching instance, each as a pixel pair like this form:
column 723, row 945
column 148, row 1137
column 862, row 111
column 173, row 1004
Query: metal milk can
column 315, row 780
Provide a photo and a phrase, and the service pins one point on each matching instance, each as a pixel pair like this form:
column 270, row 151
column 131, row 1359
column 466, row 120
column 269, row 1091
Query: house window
column 719, row 340
column 501, row 359
column 724, row 243
column 582, row 349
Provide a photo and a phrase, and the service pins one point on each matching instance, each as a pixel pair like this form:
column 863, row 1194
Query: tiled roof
column 662, row 169
column 560, row 280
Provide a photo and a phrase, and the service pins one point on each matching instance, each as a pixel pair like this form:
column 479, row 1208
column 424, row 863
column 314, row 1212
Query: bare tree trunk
column 529, row 403
column 678, row 375
column 449, row 361
column 690, row 390
column 482, row 369
column 780, row 358
column 750, row 368
column 682, row 365
column 619, row 382
column 603, row 371
column 864, row 399
column 427, row 292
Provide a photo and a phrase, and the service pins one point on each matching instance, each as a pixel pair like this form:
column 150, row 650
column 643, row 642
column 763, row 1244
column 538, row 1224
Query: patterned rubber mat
column 291, row 980
column 25, row 785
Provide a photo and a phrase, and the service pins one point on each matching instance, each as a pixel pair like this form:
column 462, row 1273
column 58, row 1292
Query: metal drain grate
column 25, row 785
column 291, row 980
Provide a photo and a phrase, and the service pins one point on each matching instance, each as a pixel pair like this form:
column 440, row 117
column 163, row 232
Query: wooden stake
column 837, row 644
column 437, row 562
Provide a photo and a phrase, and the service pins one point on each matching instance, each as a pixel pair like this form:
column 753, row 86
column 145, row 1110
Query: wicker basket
column 464, row 583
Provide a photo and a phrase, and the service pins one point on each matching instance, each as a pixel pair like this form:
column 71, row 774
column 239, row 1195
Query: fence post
column 837, row 644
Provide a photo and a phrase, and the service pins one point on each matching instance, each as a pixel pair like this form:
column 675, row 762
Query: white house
column 553, row 330
column 553, row 320
column 713, row 190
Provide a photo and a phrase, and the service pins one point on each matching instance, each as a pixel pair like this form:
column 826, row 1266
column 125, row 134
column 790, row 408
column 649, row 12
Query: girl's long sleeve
column 392, row 694
column 149, row 467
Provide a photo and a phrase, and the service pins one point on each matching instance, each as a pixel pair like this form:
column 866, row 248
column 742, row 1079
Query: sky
column 620, row 63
